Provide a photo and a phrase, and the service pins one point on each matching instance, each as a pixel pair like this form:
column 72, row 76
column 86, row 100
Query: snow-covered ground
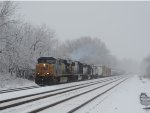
column 122, row 99
column 7, row 81
column 38, row 103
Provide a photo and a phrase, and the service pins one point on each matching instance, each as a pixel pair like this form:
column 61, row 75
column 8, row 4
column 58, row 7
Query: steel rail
column 42, row 97
column 64, row 100
column 85, row 103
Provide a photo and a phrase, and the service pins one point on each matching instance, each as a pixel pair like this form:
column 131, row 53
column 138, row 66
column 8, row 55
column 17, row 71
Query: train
column 50, row 70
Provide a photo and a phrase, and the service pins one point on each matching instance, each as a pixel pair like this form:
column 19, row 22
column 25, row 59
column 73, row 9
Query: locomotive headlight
column 47, row 73
column 38, row 73
column 44, row 65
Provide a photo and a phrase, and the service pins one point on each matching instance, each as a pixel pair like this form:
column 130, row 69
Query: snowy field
column 7, row 82
column 122, row 99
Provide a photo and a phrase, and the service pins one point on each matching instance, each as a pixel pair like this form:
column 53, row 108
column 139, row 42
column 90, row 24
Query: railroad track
column 93, row 98
column 49, row 91
column 18, row 89
column 70, row 105
column 32, row 97
column 25, row 88
column 25, row 101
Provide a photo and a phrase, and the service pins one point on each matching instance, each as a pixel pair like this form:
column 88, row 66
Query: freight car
column 50, row 70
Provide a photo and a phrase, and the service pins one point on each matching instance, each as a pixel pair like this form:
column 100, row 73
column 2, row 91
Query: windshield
column 46, row 61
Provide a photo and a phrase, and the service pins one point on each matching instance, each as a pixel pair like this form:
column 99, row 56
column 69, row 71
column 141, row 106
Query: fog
column 123, row 26
column 53, row 43
column 114, row 34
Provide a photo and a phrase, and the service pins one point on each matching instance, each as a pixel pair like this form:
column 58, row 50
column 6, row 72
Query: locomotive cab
column 45, row 70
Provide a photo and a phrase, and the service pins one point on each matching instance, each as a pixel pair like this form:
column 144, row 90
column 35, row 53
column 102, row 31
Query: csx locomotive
column 50, row 70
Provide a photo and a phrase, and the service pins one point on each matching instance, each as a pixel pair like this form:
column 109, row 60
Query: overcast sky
column 123, row 26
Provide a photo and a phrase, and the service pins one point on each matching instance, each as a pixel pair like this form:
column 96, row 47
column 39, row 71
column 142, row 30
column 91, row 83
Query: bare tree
column 88, row 50
column 7, row 10
column 7, row 32
column 33, row 42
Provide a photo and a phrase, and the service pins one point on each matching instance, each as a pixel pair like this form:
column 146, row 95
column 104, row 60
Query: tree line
column 21, row 43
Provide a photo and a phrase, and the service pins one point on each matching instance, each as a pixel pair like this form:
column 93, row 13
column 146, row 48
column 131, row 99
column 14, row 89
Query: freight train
column 50, row 70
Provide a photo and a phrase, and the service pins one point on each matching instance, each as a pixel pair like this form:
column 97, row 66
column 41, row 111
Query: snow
column 7, row 82
column 122, row 99
column 50, row 100
column 75, row 102
column 43, row 89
